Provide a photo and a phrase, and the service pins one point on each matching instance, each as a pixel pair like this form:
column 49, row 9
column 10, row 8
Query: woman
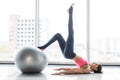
column 67, row 48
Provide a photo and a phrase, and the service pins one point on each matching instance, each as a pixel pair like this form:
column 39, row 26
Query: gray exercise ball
column 30, row 60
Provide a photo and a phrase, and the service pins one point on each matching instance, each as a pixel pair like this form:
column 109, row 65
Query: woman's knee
column 58, row 35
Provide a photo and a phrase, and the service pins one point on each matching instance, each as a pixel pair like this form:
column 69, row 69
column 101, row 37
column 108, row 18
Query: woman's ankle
column 41, row 48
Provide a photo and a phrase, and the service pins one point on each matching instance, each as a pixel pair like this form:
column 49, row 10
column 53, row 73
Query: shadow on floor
column 39, row 76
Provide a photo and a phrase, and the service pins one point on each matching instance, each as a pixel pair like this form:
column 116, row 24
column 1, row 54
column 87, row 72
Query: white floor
column 10, row 72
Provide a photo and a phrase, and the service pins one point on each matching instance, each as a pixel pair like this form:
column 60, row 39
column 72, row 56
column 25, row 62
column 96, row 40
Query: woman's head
column 96, row 68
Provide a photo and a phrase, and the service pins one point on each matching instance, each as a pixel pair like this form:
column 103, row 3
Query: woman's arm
column 64, row 72
column 65, row 69
column 84, row 70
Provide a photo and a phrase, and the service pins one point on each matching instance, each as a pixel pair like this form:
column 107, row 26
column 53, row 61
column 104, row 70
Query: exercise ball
column 30, row 60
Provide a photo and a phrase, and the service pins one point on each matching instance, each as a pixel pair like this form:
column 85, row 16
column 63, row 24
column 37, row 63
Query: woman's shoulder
column 86, row 68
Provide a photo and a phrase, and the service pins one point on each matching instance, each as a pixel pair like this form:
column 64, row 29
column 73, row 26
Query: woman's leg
column 57, row 37
column 69, row 47
column 66, row 47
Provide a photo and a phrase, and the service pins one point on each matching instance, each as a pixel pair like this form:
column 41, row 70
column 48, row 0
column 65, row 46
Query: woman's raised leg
column 69, row 47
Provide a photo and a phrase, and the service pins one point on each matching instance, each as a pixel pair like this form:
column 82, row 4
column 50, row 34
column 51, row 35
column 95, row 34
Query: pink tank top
column 81, row 62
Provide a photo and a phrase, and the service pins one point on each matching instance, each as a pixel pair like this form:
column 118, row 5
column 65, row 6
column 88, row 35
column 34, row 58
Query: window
column 19, row 27
column 12, row 17
column 104, row 31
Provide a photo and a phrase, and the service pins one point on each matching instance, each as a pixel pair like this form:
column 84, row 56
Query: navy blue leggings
column 67, row 47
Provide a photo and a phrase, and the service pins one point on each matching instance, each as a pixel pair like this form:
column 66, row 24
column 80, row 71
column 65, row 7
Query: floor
column 10, row 72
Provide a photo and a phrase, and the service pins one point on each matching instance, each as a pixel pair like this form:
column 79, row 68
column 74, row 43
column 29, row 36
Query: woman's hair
column 99, row 69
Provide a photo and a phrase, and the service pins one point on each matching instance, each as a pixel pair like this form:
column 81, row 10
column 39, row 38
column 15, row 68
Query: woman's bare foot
column 70, row 6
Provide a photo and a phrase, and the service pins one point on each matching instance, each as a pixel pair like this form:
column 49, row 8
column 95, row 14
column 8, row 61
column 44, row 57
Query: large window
column 34, row 22
column 53, row 17
column 104, row 31
column 17, row 25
